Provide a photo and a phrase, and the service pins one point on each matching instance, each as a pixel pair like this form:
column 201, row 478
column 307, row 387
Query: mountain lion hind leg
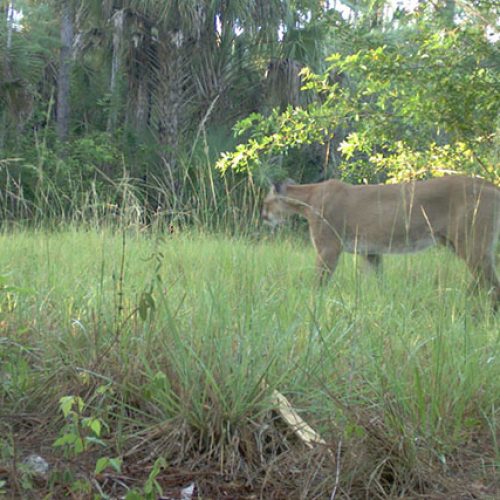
column 375, row 263
column 479, row 255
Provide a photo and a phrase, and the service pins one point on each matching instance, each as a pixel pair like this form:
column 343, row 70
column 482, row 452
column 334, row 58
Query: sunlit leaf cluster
column 429, row 102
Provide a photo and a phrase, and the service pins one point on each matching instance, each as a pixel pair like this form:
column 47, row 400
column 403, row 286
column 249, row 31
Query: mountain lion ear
column 278, row 187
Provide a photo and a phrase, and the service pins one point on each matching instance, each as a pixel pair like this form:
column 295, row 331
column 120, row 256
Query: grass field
column 136, row 365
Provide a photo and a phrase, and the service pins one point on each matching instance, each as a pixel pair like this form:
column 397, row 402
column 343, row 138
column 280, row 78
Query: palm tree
column 21, row 66
column 173, row 64
column 184, row 59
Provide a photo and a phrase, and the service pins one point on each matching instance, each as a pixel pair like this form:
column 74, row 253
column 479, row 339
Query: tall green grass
column 189, row 332
column 194, row 195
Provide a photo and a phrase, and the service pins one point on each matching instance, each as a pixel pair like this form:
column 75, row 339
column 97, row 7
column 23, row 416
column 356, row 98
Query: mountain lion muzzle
column 459, row 212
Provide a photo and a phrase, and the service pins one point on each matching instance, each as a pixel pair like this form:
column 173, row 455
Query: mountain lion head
column 275, row 208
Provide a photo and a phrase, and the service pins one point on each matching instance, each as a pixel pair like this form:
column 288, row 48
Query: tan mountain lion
column 460, row 212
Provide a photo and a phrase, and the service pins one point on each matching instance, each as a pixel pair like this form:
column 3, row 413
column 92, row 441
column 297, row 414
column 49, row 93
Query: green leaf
column 101, row 464
column 80, row 404
column 67, row 439
column 116, row 463
column 134, row 495
column 94, row 440
column 79, row 445
column 102, row 389
column 66, row 404
column 104, row 462
column 94, row 424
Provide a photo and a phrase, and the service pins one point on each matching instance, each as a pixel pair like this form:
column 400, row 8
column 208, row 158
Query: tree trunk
column 63, row 78
column 10, row 23
column 143, row 104
column 171, row 102
column 168, row 125
column 114, row 88
column 7, row 72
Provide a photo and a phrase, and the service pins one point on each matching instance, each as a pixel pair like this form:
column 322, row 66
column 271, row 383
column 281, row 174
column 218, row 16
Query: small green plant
column 152, row 488
column 80, row 432
column 78, row 435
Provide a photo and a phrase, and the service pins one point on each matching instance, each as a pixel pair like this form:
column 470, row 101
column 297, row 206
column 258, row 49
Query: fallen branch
column 299, row 426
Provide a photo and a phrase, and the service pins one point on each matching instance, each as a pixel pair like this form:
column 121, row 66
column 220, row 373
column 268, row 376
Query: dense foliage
column 423, row 103
column 92, row 93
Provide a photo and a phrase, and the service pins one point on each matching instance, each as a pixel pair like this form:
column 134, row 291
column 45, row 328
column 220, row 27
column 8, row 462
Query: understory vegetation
column 137, row 362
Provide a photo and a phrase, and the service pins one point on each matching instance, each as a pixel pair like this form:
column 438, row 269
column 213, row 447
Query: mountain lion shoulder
column 459, row 212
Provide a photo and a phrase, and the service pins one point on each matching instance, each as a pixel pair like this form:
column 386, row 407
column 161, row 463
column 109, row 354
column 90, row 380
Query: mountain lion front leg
column 328, row 247
column 327, row 258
